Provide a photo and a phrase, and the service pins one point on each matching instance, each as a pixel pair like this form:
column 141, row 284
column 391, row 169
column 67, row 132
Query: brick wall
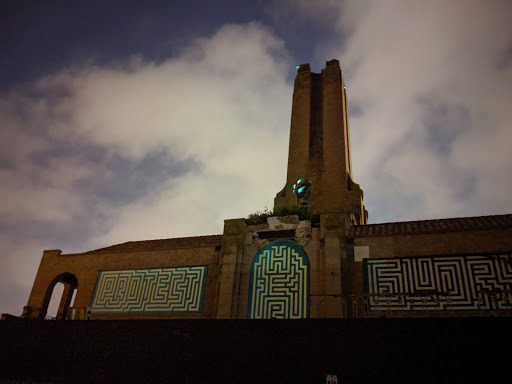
column 86, row 267
column 449, row 243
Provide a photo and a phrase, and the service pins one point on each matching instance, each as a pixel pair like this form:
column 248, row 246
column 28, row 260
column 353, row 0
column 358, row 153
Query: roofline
column 430, row 220
column 419, row 227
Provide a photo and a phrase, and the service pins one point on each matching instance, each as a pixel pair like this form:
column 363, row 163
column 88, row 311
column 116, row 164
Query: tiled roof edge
column 160, row 244
column 458, row 224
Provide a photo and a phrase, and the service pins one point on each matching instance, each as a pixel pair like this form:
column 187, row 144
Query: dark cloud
column 130, row 180
column 98, row 155
column 442, row 124
column 44, row 37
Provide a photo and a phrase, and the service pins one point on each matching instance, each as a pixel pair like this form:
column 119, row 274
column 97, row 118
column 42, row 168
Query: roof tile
column 458, row 224
column 161, row 244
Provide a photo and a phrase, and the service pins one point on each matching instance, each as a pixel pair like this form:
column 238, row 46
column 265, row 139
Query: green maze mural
column 279, row 282
column 440, row 282
column 150, row 290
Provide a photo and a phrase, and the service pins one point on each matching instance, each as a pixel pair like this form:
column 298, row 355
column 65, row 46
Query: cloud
column 144, row 150
column 97, row 155
column 430, row 84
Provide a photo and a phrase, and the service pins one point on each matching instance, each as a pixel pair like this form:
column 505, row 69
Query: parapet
column 303, row 68
column 332, row 63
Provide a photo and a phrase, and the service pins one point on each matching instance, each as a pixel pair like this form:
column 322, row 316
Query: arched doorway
column 70, row 285
column 279, row 282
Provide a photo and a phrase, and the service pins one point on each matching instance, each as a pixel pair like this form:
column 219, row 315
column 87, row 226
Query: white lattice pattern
column 279, row 283
column 150, row 290
column 453, row 282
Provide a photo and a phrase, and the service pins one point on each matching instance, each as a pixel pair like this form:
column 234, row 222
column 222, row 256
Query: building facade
column 322, row 261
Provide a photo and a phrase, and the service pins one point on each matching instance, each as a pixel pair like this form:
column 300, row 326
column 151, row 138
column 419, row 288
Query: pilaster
column 328, row 273
column 230, row 265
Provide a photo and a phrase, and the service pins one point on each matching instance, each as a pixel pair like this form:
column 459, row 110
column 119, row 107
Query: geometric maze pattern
column 279, row 282
column 440, row 282
column 150, row 290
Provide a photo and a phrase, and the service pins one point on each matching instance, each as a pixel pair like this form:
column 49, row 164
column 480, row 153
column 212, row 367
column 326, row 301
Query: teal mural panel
column 150, row 290
column 279, row 282
column 469, row 282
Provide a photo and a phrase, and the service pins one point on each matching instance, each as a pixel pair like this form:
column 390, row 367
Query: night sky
column 133, row 120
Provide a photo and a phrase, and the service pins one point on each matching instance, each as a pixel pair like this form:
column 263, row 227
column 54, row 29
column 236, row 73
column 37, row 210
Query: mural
column 440, row 282
column 279, row 282
column 150, row 290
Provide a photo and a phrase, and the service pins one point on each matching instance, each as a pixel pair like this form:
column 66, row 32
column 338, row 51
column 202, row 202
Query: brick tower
column 320, row 145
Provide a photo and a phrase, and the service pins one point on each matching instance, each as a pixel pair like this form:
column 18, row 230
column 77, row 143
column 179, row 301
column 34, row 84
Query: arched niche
column 70, row 284
column 279, row 282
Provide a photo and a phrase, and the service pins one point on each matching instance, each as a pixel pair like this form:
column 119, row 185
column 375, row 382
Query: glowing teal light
column 294, row 185
column 298, row 182
column 300, row 189
column 298, row 66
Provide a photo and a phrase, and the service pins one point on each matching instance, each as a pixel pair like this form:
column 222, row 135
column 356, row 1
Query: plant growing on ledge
column 261, row 217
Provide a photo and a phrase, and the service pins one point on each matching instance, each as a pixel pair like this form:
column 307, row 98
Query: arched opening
column 70, row 284
column 53, row 305
column 279, row 282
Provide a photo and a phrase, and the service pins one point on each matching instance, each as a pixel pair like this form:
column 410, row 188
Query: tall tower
column 320, row 145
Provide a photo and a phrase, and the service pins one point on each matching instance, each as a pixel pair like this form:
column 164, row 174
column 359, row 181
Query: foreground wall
column 291, row 268
column 144, row 272
column 452, row 266
column 247, row 351
column 323, row 244
column 204, row 277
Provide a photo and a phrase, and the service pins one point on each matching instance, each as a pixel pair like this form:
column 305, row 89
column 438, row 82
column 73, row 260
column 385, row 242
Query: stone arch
column 279, row 282
column 70, row 284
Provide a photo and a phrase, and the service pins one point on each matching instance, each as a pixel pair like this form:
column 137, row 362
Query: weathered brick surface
column 320, row 143
column 86, row 267
column 426, row 244
column 230, row 268
column 330, row 248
